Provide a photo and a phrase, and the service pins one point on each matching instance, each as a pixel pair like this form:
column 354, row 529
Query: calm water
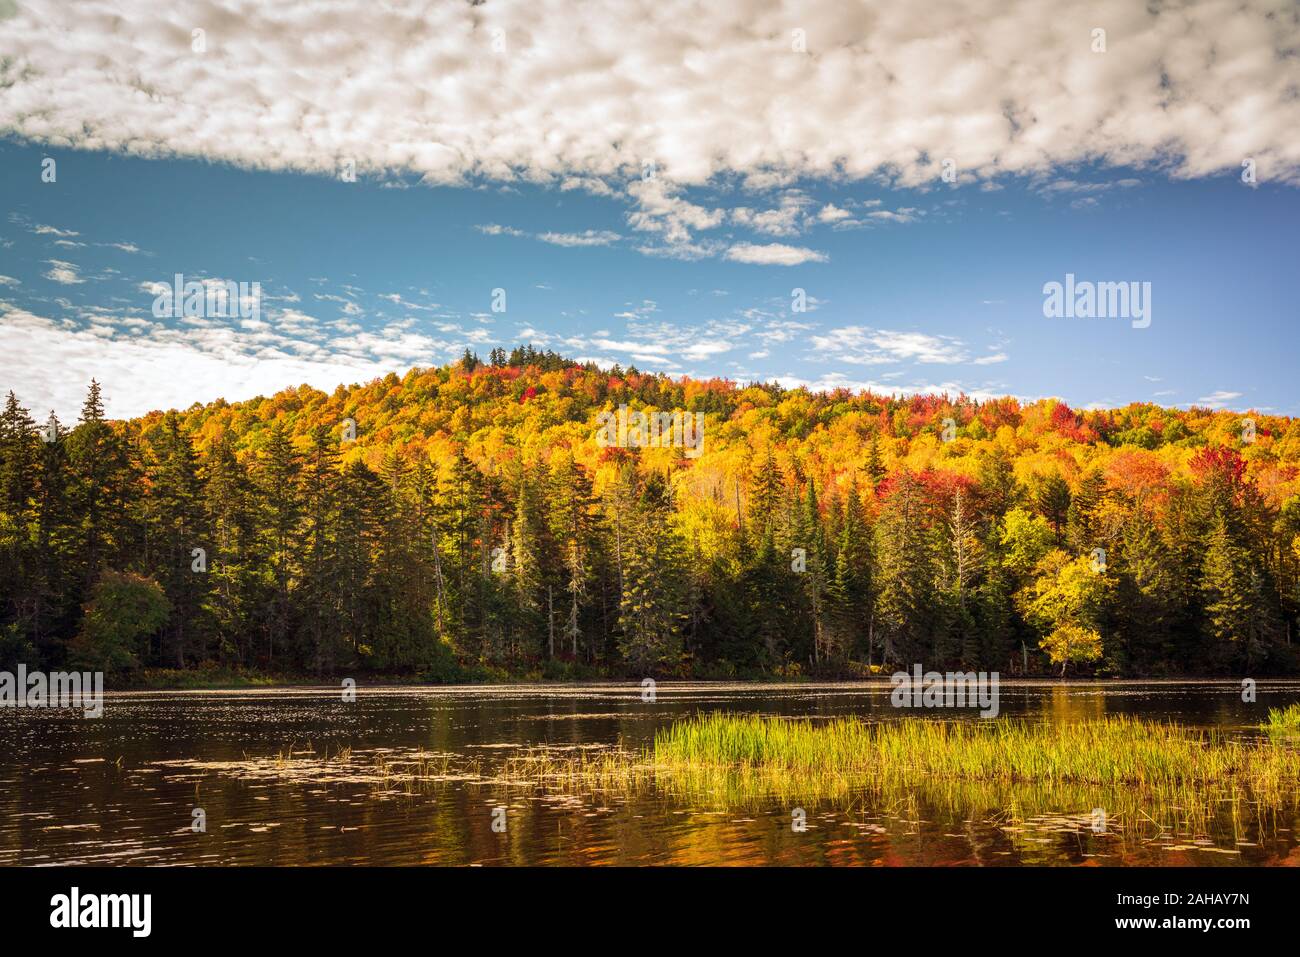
column 123, row 789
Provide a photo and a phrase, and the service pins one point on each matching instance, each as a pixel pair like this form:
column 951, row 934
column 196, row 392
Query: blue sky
column 950, row 299
column 522, row 169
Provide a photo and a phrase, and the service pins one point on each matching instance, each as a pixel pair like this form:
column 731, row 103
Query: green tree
column 100, row 473
column 651, row 600
column 176, row 537
column 849, row 596
column 123, row 612
column 277, row 485
column 237, row 553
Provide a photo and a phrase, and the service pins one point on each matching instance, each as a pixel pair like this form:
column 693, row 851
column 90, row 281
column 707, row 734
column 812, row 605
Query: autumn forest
column 463, row 523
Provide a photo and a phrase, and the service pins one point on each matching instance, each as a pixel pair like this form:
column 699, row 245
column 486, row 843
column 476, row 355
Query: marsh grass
column 1115, row 751
column 1283, row 722
column 1154, row 780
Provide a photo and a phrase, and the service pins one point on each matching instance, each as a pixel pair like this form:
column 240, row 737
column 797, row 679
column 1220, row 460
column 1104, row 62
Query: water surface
column 287, row 777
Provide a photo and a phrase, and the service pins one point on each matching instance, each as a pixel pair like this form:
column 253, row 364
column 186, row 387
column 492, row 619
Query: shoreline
column 260, row 682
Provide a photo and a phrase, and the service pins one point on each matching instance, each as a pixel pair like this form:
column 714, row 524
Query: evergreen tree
column 908, row 597
column 766, row 494
column 325, row 570
column 278, row 486
column 849, row 593
column 100, row 479
column 651, row 600
column 19, row 488
column 1237, row 618
column 177, row 540
column 236, row 555
column 574, row 528
column 1052, row 499
column 875, row 464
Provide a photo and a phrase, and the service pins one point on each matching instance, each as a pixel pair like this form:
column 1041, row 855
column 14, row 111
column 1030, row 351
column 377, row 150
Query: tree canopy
column 464, row 518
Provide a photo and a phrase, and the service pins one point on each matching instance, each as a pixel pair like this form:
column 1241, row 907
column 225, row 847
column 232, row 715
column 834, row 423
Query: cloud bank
column 534, row 89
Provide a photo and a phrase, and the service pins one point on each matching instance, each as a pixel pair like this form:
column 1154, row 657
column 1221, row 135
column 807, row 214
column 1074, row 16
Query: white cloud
column 788, row 219
column 1218, row 399
column 774, row 254
column 590, row 237
column 586, row 98
column 646, row 308
column 41, row 230
column 661, row 210
column 830, row 213
column 863, row 345
column 64, row 273
column 905, row 215
column 149, row 372
column 683, row 251
column 836, row 380
column 492, row 229
column 234, row 358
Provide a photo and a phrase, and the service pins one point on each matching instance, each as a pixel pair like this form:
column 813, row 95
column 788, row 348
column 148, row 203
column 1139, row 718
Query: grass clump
column 1113, row 752
column 1283, row 722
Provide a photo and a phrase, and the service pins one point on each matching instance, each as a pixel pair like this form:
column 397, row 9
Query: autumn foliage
column 476, row 523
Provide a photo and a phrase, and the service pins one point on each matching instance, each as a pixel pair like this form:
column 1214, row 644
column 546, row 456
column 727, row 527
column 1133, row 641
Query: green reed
column 1113, row 751
column 1283, row 722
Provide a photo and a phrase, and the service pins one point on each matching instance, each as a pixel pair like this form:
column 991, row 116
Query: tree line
column 128, row 545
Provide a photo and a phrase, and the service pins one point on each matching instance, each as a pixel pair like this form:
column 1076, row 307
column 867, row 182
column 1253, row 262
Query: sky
column 820, row 194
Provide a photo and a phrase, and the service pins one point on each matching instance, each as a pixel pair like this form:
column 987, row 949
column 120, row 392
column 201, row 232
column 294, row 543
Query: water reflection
column 122, row 789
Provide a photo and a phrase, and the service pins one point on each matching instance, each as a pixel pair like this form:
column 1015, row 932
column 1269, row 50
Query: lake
column 297, row 776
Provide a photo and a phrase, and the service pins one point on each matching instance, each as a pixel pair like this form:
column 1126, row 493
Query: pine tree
column 849, row 592
column 177, row 540
column 462, row 538
column 906, row 561
column 651, row 601
column 766, row 495
column 573, row 526
column 875, row 465
column 278, row 481
column 1052, row 499
column 320, row 633
column 58, row 578
column 365, row 563
column 1236, row 614
column 100, row 479
column 19, row 476
column 236, row 554
column 1083, row 532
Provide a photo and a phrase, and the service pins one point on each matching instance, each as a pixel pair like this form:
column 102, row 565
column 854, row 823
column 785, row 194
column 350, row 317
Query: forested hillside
column 475, row 527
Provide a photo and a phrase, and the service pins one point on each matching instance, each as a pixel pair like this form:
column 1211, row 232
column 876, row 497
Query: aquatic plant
column 1151, row 778
column 1283, row 722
